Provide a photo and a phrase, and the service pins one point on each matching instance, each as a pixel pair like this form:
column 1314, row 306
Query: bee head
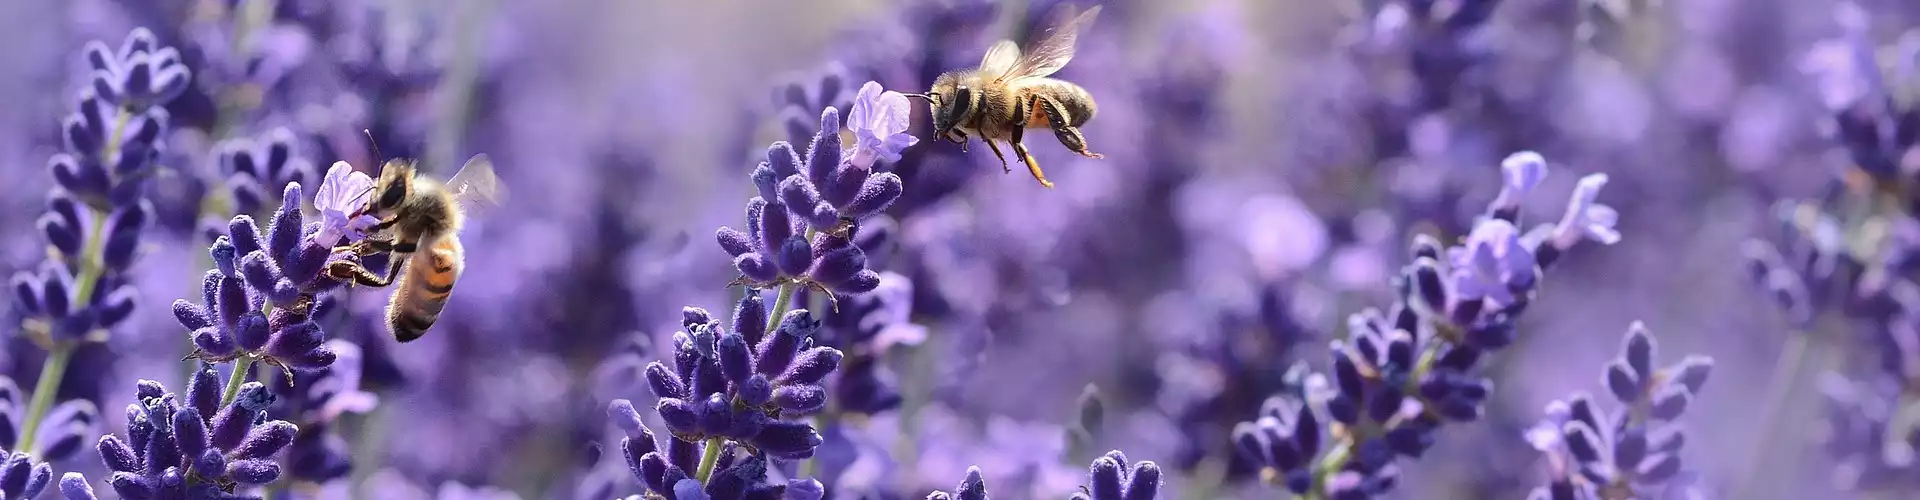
column 392, row 189
column 944, row 103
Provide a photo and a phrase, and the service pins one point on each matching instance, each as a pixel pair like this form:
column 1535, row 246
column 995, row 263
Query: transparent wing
column 1056, row 45
column 475, row 187
column 1000, row 58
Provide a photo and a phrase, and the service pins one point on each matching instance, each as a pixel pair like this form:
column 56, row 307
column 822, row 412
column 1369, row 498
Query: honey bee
column 1010, row 92
column 419, row 222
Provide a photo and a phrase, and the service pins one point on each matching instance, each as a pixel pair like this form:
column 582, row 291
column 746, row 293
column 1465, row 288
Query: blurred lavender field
column 1400, row 249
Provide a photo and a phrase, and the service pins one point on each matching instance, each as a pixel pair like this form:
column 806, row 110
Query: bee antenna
column 373, row 144
column 922, row 96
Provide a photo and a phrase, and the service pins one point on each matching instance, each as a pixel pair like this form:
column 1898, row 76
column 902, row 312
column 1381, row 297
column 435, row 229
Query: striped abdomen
column 1074, row 102
column 423, row 289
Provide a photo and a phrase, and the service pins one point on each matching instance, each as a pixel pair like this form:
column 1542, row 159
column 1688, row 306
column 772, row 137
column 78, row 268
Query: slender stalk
column 59, row 353
column 43, row 392
column 781, row 303
column 1786, row 372
column 234, row 381
column 709, row 457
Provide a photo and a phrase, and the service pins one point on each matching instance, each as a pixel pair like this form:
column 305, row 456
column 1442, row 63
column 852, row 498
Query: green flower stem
column 60, row 354
column 234, row 381
column 50, row 375
column 709, row 457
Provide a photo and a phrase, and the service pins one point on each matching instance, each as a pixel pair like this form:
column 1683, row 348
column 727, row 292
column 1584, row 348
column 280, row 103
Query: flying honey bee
column 420, row 221
column 1010, row 92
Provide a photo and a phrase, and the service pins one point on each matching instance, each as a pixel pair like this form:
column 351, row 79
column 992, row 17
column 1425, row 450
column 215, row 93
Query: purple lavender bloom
column 745, row 384
column 1406, row 373
column 829, row 87
column 1635, row 449
column 866, row 326
column 23, row 477
column 62, row 433
column 74, row 486
column 315, row 400
column 255, row 171
column 343, row 192
column 1110, row 479
column 1522, row 172
column 801, row 229
column 96, row 216
column 259, row 302
column 974, row 487
column 198, row 445
column 670, row 473
column 879, row 121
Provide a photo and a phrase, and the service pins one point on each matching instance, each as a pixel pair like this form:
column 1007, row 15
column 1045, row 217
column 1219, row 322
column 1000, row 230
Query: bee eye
column 392, row 196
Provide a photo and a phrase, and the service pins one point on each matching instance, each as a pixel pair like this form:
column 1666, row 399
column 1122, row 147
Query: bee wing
column 1056, row 45
column 1000, row 58
column 475, row 187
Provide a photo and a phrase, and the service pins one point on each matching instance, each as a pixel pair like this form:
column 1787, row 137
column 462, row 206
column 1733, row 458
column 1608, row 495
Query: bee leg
column 1002, row 156
column 1032, row 166
column 1057, row 120
column 346, row 269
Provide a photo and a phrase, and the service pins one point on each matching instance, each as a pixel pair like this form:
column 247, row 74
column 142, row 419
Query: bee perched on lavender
column 1011, row 92
column 416, row 213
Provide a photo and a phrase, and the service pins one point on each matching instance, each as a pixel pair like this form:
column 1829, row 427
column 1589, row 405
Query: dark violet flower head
column 141, row 75
column 866, row 326
column 96, row 215
column 1635, row 449
column 974, row 487
column 745, row 384
column 194, row 446
column 74, row 486
column 801, row 229
column 1399, row 377
column 260, row 299
column 1110, row 479
column 796, row 101
column 669, row 473
column 23, row 477
column 257, row 170
column 62, row 432
column 315, row 400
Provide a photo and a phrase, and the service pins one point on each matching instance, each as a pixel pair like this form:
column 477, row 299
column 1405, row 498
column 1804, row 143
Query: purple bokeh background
column 1266, row 164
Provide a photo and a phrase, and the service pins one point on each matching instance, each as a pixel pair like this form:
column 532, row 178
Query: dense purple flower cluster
column 95, row 218
column 897, row 323
column 197, row 445
column 1635, row 449
column 800, row 228
column 259, row 301
column 254, row 170
column 1399, row 376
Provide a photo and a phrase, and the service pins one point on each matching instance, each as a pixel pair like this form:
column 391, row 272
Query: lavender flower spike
column 23, row 477
column 974, row 487
column 879, row 122
column 190, row 445
column 1634, row 449
column 259, row 301
column 62, row 433
column 1111, row 480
